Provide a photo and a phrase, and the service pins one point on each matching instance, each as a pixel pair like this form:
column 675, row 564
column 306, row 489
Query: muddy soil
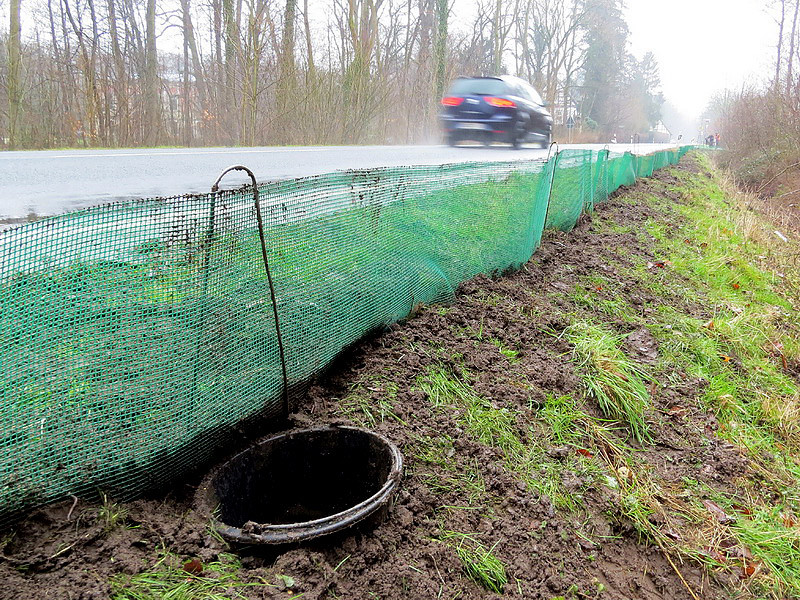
column 590, row 552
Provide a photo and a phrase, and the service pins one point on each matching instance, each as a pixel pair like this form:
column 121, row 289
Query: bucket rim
column 286, row 533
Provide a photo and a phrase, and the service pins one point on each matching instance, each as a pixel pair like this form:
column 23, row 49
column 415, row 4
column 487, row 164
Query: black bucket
column 303, row 484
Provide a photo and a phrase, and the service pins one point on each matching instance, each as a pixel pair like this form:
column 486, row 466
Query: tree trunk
column 197, row 65
column 362, row 25
column 776, row 82
column 186, row 109
column 792, row 38
column 61, row 77
column 425, row 80
column 286, row 72
column 216, row 6
column 14, row 64
column 440, row 47
column 151, row 88
column 309, row 47
column 497, row 38
column 251, row 67
column 120, row 79
column 89, row 76
column 229, row 84
column 94, row 89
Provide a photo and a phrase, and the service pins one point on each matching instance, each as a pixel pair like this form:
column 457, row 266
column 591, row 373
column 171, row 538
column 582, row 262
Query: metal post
column 552, row 174
column 259, row 218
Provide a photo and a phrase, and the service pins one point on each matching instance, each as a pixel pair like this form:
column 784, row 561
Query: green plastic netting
column 137, row 336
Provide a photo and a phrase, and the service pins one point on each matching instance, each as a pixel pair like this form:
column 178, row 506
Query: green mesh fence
column 137, row 337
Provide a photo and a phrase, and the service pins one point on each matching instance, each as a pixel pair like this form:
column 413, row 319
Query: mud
column 589, row 553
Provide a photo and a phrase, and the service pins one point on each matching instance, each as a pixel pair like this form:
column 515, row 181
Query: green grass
column 111, row 514
column 361, row 406
column 489, row 424
column 718, row 317
column 761, row 545
column 447, row 475
column 167, row 579
column 480, row 563
column 615, row 381
column 774, row 542
column 510, row 353
column 736, row 347
column 525, row 455
column 600, row 296
column 467, row 482
column 739, row 344
column 563, row 419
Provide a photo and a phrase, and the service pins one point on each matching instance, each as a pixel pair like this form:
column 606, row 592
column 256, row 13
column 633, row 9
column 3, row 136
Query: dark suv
column 487, row 109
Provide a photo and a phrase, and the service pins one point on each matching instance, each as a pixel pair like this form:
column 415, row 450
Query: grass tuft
column 527, row 459
column 360, row 405
column 610, row 377
column 111, row 514
column 563, row 419
column 490, row 425
column 774, row 541
column 480, row 563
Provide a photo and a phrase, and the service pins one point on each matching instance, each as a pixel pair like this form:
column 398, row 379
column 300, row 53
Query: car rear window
column 477, row 87
column 535, row 96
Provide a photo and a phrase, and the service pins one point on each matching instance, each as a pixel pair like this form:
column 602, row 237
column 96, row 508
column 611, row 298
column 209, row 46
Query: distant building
column 660, row 134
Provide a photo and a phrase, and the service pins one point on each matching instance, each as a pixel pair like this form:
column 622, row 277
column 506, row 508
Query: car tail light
column 451, row 101
column 500, row 102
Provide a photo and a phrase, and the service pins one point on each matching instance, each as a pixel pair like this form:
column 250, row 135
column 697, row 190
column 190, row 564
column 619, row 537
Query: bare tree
column 88, row 47
column 782, row 21
column 286, row 69
column 13, row 85
column 309, row 45
column 253, row 52
column 249, row 72
column 442, row 13
column 120, row 79
column 362, row 34
column 151, row 85
column 228, row 84
column 548, row 48
column 792, row 38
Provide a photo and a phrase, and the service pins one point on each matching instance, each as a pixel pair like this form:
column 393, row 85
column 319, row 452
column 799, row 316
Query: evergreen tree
column 620, row 93
column 604, row 68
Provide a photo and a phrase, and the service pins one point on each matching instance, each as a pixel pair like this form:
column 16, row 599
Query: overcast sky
column 704, row 46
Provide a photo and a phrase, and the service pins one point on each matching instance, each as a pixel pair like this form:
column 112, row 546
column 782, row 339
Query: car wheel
column 547, row 139
column 517, row 139
column 518, row 136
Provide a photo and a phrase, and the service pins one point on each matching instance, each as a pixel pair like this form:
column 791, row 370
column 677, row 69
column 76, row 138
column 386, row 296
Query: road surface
column 51, row 182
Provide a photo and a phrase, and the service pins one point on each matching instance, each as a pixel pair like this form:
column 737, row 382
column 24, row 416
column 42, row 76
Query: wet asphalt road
column 56, row 181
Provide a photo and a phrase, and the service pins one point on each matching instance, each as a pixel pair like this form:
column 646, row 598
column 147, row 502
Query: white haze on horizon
column 704, row 46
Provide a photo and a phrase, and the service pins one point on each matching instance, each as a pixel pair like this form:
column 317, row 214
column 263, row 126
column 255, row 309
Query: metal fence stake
column 259, row 218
